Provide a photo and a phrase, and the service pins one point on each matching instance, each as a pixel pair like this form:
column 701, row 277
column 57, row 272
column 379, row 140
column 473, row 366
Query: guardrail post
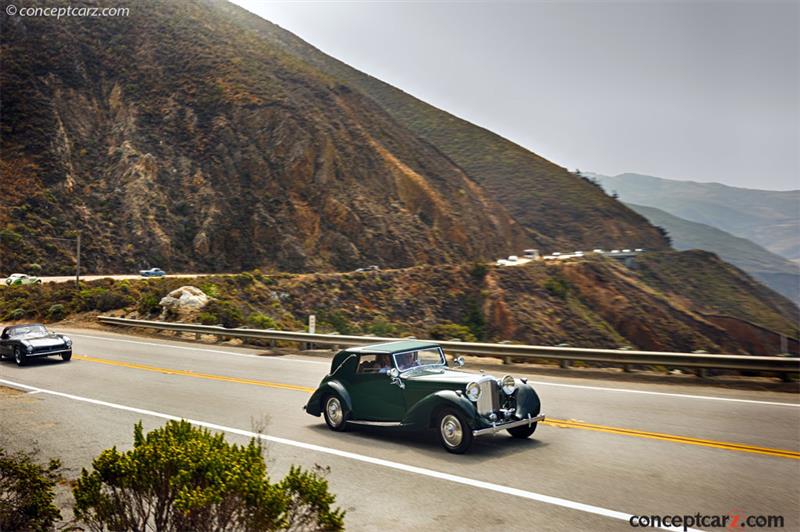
column 702, row 373
column 564, row 364
column 198, row 336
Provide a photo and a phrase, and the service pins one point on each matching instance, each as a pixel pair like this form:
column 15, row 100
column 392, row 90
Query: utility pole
column 78, row 261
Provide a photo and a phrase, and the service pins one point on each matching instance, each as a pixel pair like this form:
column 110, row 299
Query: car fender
column 527, row 401
column 314, row 405
column 421, row 415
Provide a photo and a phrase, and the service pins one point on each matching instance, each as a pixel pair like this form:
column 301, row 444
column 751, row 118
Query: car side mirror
column 396, row 380
column 458, row 361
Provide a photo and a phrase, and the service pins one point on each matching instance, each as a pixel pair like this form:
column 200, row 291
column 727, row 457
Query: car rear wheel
column 522, row 432
column 66, row 356
column 20, row 357
column 454, row 432
column 335, row 415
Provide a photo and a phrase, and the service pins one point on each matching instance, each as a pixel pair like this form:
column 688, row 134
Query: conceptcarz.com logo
column 730, row 521
column 67, row 11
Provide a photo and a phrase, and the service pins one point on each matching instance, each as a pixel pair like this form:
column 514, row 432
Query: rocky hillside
column 190, row 136
column 593, row 302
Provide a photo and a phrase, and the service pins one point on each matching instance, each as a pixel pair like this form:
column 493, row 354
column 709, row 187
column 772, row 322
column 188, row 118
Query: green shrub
column 207, row 319
column 103, row 299
column 27, row 493
column 446, row 331
column 557, row 287
column 225, row 313
column 148, row 304
column 337, row 321
column 261, row 321
column 210, row 289
column 180, row 477
column 56, row 312
column 17, row 314
column 382, row 328
column 478, row 271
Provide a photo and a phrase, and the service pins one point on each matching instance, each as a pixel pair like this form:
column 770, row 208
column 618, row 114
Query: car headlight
column 473, row 391
column 508, row 384
column 27, row 345
column 67, row 340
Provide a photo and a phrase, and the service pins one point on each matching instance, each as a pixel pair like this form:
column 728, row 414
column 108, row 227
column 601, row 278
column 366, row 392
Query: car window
column 27, row 331
column 419, row 359
column 377, row 363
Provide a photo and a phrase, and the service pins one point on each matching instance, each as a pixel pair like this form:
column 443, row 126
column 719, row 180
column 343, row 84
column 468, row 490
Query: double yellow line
column 572, row 424
column 561, row 423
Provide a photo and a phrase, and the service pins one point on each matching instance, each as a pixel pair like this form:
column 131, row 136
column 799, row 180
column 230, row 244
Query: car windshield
column 28, row 331
column 419, row 359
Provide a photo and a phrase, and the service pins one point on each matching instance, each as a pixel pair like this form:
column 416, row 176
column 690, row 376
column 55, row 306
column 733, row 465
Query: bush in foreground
column 180, row 477
column 27, row 493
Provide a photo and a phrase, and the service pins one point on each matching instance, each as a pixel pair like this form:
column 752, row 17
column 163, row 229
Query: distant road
column 609, row 449
column 66, row 278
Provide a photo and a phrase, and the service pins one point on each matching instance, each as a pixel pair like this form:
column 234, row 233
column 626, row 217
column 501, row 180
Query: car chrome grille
column 489, row 400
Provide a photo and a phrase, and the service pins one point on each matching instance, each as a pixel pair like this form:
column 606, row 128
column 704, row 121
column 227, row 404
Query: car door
column 374, row 396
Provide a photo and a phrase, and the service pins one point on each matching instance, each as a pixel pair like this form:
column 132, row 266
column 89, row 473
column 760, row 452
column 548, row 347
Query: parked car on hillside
column 152, row 272
column 24, row 342
column 21, row 278
column 371, row 268
column 408, row 385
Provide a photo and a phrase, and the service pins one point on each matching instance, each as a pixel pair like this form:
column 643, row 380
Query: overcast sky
column 703, row 91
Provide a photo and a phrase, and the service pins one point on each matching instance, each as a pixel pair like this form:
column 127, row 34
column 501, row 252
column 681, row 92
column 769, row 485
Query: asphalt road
column 613, row 450
column 67, row 278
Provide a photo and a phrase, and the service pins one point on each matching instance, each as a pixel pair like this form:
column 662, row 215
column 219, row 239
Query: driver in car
column 383, row 363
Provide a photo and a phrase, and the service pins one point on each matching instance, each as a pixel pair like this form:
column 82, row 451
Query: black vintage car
column 23, row 342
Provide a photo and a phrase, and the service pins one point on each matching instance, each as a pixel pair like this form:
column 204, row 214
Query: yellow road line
column 561, row 423
column 783, row 453
column 188, row 373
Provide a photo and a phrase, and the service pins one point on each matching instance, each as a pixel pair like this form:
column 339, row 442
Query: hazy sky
column 706, row 91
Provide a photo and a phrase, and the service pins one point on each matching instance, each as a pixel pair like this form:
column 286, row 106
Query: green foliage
column 447, row 331
column 223, row 312
column 180, row 477
column 338, row 321
column 148, row 304
column 27, row 493
column 474, row 318
column 207, row 319
column 261, row 321
column 17, row 314
column 210, row 289
column 103, row 299
column 56, row 312
column 478, row 271
column 557, row 287
column 381, row 327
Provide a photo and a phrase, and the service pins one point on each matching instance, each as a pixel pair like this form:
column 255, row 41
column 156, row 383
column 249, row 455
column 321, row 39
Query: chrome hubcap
column 18, row 355
column 334, row 410
column 451, row 430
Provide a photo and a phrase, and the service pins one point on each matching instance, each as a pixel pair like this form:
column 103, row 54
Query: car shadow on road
column 484, row 448
column 34, row 362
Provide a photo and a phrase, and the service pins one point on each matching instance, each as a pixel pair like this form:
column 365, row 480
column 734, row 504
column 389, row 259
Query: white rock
column 185, row 298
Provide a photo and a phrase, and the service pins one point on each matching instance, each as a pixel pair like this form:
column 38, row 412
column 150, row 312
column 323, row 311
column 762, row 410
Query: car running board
column 376, row 423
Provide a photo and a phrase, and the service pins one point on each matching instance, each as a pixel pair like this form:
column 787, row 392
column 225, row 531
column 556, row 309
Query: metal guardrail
column 779, row 364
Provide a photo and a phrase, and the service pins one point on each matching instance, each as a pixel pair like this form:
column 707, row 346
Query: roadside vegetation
column 592, row 302
column 176, row 477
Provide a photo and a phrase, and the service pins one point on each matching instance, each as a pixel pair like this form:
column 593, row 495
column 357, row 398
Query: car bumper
column 497, row 427
column 60, row 351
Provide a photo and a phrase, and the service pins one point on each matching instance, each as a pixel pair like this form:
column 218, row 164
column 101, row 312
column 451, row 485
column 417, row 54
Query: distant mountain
column 780, row 274
column 768, row 218
column 194, row 135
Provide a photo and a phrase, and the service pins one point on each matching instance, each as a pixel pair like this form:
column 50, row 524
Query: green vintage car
column 407, row 384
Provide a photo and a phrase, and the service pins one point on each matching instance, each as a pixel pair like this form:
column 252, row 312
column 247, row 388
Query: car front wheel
column 335, row 415
column 522, row 432
column 20, row 357
column 66, row 356
column 454, row 432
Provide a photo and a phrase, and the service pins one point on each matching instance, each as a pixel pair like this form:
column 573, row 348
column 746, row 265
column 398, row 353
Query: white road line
column 547, row 499
column 543, row 383
column 232, row 353
column 666, row 394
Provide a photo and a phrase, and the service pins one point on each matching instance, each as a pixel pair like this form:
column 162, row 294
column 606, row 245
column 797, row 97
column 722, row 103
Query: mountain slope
column 778, row 273
column 540, row 195
column 768, row 218
column 174, row 137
